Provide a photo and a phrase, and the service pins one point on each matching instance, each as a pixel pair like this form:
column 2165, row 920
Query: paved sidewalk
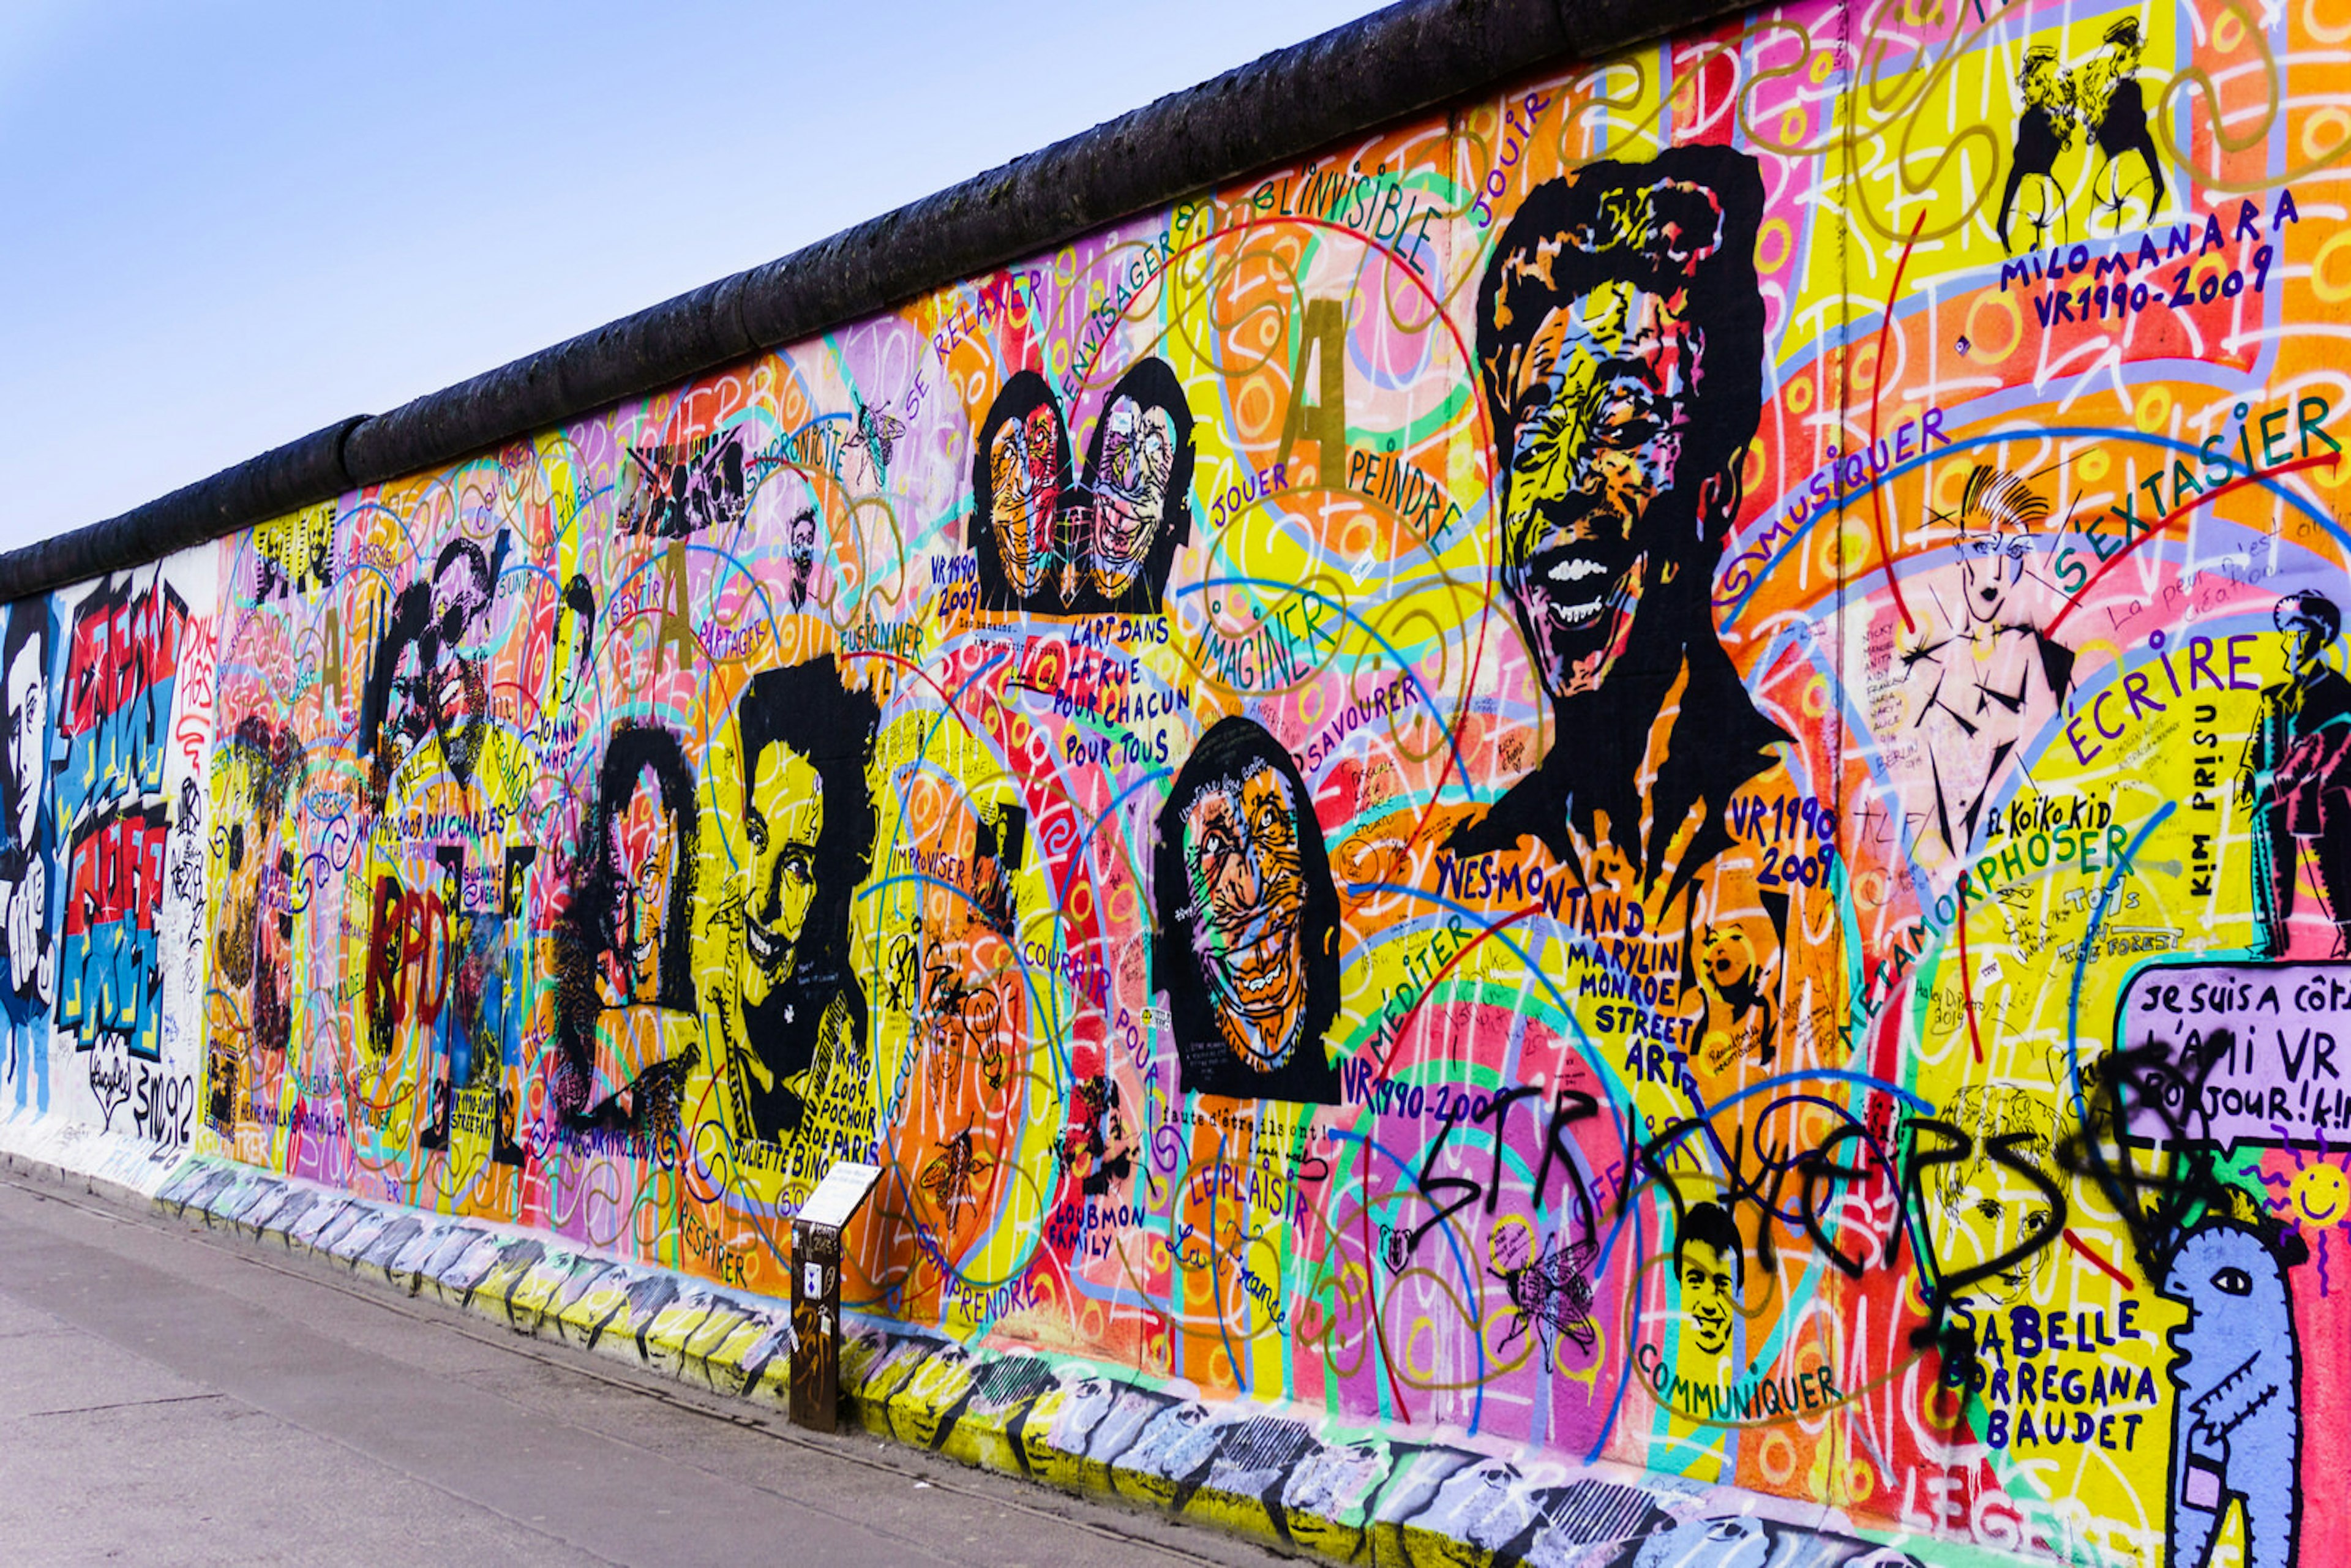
column 170, row 1395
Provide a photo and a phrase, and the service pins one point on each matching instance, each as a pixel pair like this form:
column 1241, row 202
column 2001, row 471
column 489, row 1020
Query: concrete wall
column 1654, row 770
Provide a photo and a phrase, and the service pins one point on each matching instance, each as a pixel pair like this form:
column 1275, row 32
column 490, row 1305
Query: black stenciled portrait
column 1138, row 491
column 394, row 712
column 1047, row 547
column 673, row 491
column 259, row 769
column 1020, row 475
column 1620, row 344
column 1247, row 948
column 574, row 653
column 623, row 944
column 1710, row 1266
column 25, row 803
column 428, row 676
column 808, row 827
column 800, row 535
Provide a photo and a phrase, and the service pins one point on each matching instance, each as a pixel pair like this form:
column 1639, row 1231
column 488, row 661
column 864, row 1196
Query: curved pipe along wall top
column 1653, row 769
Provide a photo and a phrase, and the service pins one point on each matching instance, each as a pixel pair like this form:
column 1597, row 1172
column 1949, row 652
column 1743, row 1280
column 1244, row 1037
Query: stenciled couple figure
column 1046, row 546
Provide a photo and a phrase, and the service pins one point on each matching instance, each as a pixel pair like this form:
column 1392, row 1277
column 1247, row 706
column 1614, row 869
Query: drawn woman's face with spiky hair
column 1992, row 561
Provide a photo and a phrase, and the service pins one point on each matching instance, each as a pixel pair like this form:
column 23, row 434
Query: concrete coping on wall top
column 1370, row 72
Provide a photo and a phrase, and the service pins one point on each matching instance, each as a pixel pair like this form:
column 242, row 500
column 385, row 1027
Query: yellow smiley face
column 2322, row 1194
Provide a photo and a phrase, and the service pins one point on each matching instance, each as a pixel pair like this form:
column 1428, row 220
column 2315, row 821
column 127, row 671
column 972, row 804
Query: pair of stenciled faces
column 438, row 684
column 1111, row 540
column 1242, row 855
column 783, row 820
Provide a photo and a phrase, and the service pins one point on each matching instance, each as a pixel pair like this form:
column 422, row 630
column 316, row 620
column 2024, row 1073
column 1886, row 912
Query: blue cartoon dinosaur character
column 2235, row 1430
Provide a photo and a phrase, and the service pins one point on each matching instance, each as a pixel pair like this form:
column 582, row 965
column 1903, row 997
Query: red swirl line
column 2084, row 1248
column 1876, row 384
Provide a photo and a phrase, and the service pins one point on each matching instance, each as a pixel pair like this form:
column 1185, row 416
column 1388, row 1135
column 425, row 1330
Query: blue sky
column 224, row 225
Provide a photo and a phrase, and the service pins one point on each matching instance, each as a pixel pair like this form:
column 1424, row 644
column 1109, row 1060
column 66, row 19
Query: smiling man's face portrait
column 1619, row 350
column 1709, row 1263
column 1601, row 400
column 1709, row 1287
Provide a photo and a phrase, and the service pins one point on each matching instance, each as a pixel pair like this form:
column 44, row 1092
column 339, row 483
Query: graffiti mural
column 1657, row 771
column 109, row 714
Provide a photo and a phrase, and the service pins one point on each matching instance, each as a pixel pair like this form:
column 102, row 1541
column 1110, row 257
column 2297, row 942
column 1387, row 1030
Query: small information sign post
column 816, row 1292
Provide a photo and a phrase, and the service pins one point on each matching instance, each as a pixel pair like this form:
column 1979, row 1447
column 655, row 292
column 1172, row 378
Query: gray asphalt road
column 171, row 1396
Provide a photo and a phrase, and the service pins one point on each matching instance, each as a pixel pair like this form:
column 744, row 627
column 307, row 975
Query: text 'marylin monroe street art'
column 1660, row 772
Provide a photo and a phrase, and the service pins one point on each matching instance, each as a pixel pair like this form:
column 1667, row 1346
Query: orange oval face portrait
column 644, row 855
column 1024, row 471
column 1130, row 493
column 1248, row 884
